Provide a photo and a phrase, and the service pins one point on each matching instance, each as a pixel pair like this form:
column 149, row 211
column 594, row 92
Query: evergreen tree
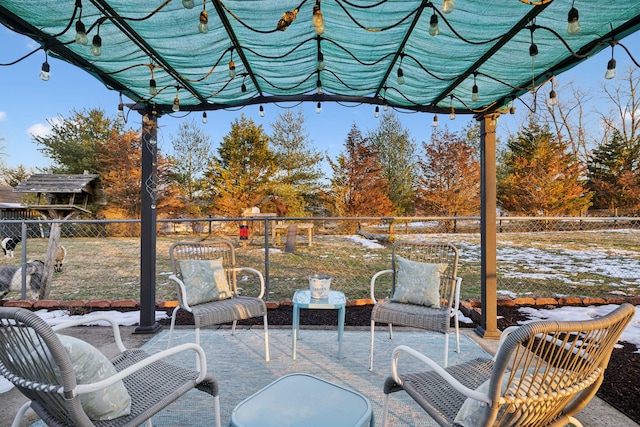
column 540, row 176
column 614, row 174
column 73, row 142
column 241, row 173
column 192, row 149
column 299, row 164
column 396, row 152
column 358, row 186
column 449, row 178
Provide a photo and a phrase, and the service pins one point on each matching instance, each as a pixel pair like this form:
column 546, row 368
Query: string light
column 435, row 121
column 433, row 25
column 475, row 96
column 96, row 45
column 320, row 61
column 319, row 86
column 232, row 69
column 553, row 100
column 81, row 33
column 44, row 71
column 153, row 90
column 318, row 21
column 533, row 48
column 203, row 27
column 188, row 4
column 452, row 111
column 318, row 108
column 376, row 112
column 286, row 20
column 261, row 111
column 204, row 117
column 176, row 102
column 447, row 6
column 573, row 26
column 400, row 76
column 611, row 66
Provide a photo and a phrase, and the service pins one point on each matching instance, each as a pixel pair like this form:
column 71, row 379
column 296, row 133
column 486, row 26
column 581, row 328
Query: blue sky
column 27, row 103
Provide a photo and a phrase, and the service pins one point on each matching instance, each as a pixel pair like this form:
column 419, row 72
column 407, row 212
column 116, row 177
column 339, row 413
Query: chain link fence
column 536, row 257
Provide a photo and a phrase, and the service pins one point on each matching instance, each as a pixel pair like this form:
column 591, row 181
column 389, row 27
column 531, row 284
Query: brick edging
column 467, row 306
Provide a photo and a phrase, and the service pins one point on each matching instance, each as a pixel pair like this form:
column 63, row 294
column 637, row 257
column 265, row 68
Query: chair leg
column 233, row 327
column 216, row 408
column 390, row 331
column 455, row 319
column 373, row 327
column 198, row 336
column 446, row 350
column 173, row 324
column 17, row 420
column 266, row 338
column 385, row 410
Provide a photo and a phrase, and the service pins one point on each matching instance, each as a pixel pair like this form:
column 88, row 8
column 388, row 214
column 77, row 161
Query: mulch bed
column 620, row 388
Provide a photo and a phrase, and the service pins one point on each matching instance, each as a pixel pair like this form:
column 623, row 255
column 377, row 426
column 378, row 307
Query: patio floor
column 238, row 364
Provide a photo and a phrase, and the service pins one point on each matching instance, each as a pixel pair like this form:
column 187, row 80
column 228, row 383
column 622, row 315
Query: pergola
column 474, row 57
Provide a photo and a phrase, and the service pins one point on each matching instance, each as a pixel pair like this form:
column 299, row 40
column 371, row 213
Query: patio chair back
column 434, row 253
column 548, row 369
column 32, row 357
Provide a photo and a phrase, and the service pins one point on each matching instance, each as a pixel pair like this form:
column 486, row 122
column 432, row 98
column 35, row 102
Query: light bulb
column 121, row 111
column 320, row 61
column 153, row 90
column 44, row 72
column 318, row 21
column 261, row 111
column 400, row 76
column 452, row 113
column 176, row 105
column 318, row 108
column 533, row 49
column 435, row 122
column 573, row 26
column 611, row 69
column 232, row 69
column 96, row 46
column 203, row 27
column 204, row 117
column 447, row 6
column 553, row 100
column 243, row 87
column 188, row 4
column 433, row 25
column 319, row 87
column 475, row 96
column 81, row 33
column 376, row 112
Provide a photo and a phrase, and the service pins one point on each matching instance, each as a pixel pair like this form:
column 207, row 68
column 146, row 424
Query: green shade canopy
column 279, row 54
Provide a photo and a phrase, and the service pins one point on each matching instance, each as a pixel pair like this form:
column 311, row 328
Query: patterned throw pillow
column 204, row 280
column 418, row 282
column 91, row 366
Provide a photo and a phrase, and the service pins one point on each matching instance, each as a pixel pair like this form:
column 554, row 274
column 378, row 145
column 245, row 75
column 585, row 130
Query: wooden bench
column 277, row 230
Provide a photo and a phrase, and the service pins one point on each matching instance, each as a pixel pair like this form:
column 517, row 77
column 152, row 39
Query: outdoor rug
column 238, row 364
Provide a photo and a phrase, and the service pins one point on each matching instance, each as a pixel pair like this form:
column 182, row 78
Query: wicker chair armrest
column 439, row 370
column 95, row 319
column 373, row 283
column 503, row 337
column 201, row 359
column 260, row 276
column 182, row 290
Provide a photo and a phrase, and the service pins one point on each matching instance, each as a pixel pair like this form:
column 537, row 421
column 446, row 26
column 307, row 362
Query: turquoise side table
column 335, row 301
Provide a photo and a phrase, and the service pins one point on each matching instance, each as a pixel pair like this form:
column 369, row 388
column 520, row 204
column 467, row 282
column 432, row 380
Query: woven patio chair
column 71, row 383
column 543, row 374
column 425, row 292
column 205, row 277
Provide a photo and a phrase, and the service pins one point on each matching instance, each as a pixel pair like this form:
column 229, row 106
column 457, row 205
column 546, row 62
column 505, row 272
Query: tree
column 358, row 186
column 192, row 149
column 13, row 176
column 299, row 164
column 613, row 174
column 241, row 173
column 449, row 178
column 539, row 176
column 396, row 153
column 74, row 142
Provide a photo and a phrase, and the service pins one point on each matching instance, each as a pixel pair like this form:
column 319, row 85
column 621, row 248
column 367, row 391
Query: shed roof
column 61, row 184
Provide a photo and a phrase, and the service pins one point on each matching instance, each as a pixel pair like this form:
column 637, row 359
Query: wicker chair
column 49, row 371
column 438, row 318
column 543, row 374
column 221, row 311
